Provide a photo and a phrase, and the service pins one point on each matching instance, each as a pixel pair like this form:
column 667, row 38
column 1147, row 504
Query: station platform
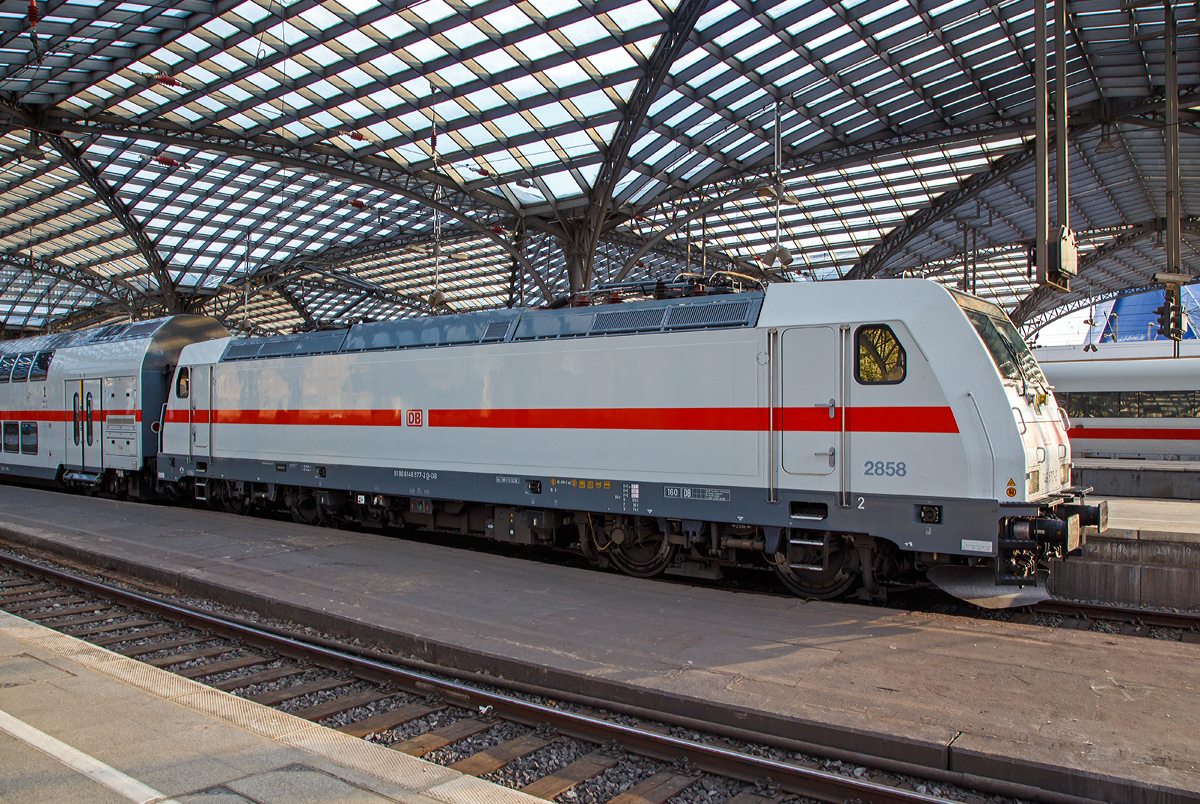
column 1129, row 477
column 1149, row 556
column 79, row 723
column 1099, row 715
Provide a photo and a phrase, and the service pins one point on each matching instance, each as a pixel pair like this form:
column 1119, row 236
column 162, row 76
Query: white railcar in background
column 848, row 433
column 1129, row 400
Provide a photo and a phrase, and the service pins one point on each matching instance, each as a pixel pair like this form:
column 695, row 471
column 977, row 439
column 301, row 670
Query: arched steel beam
column 1036, row 304
column 127, row 298
column 894, row 241
column 380, row 173
column 1030, row 327
column 813, row 162
column 682, row 22
column 133, row 228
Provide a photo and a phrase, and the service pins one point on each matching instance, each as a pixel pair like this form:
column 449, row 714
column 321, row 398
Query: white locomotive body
column 846, row 433
column 1129, row 399
column 806, row 423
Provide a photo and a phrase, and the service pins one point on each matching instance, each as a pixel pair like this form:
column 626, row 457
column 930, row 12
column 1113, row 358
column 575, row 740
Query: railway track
column 550, row 745
column 1130, row 619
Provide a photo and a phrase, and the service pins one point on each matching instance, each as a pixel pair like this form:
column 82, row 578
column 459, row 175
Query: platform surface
column 1104, row 703
column 1151, row 519
column 82, row 724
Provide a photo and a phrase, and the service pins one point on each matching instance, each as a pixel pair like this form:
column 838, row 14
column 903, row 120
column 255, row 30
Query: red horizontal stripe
column 860, row 420
column 868, row 420
column 606, row 418
column 62, row 415
column 1148, row 433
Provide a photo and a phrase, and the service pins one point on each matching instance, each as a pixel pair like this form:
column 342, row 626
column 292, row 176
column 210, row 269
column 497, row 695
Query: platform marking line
column 78, row 761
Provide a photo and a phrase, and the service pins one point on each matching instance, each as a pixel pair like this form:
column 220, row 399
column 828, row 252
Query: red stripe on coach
column 1078, row 433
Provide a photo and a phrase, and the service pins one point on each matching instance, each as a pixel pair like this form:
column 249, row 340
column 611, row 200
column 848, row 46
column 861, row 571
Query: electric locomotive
column 848, row 434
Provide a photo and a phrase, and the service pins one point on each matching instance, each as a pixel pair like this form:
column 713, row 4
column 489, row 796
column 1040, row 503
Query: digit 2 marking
column 862, row 504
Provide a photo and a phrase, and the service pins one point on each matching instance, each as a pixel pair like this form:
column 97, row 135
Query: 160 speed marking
column 885, row 468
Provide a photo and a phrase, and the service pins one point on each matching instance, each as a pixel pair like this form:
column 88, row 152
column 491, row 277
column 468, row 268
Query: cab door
column 92, row 420
column 200, row 411
column 812, row 379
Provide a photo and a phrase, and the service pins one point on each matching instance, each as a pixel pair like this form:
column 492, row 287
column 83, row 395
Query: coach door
column 200, row 400
column 91, row 422
column 73, row 394
column 811, row 419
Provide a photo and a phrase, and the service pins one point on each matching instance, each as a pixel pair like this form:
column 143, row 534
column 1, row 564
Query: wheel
column 642, row 555
column 839, row 577
column 216, row 496
column 305, row 510
column 234, row 504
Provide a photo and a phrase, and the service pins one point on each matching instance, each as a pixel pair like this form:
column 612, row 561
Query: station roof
column 285, row 165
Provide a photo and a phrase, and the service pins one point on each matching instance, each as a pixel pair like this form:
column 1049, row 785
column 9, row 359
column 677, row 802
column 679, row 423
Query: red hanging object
column 33, row 14
column 358, row 203
column 483, row 171
column 433, row 140
column 167, row 80
column 358, row 136
column 498, row 229
column 168, row 161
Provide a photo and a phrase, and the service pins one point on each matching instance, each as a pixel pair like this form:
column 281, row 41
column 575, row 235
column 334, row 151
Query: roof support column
column 1041, row 135
column 1172, row 137
column 1061, row 162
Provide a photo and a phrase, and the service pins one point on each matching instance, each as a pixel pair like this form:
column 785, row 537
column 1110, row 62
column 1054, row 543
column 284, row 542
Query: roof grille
column 628, row 321
column 244, row 350
column 496, row 331
column 712, row 314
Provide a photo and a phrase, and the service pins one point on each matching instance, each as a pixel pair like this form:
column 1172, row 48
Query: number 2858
column 885, row 469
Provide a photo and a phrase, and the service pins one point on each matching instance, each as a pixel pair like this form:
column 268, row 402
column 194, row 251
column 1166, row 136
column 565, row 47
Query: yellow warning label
column 1012, row 492
column 1010, row 482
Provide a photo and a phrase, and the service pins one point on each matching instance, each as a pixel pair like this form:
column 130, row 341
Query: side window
column 75, row 417
column 22, row 366
column 87, row 411
column 181, row 384
column 29, row 438
column 6, row 364
column 880, row 356
column 41, row 366
column 12, row 437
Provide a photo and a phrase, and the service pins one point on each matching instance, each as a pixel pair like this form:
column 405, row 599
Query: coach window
column 75, row 418
column 181, row 384
column 41, row 367
column 880, row 356
column 29, row 438
column 6, row 364
column 87, row 414
column 12, row 437
column 21, row 368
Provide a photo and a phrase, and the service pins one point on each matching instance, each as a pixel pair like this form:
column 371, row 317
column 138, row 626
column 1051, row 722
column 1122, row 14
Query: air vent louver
column 713, row 314
column 628, row 321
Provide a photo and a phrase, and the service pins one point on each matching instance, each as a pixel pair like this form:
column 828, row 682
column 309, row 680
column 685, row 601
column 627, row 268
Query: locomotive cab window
column 181, row 384
column 881, row 359
column 12, row 437
column 6, row 364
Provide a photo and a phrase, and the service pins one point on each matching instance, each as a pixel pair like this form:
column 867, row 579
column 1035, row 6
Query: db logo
column 414, row 418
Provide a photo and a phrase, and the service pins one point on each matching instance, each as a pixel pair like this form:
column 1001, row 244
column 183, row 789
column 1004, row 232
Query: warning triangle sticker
column 1010, row 482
